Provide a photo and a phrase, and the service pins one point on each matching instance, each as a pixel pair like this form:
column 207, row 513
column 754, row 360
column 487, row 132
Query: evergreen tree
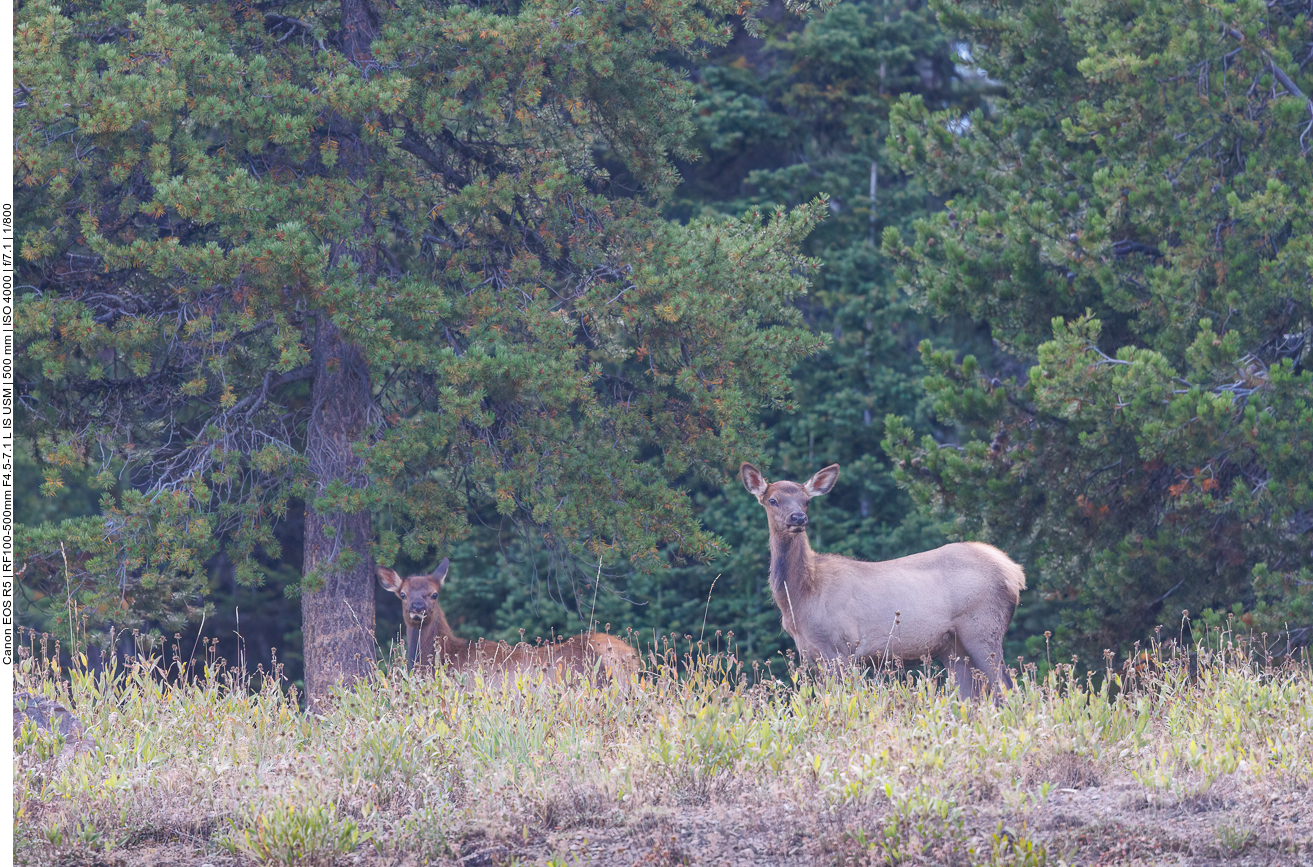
column 798, row 111
column 362, row 256
column 1133, row 219
column 806, row 113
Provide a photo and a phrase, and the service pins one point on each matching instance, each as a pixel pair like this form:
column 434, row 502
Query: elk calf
column 429, row 638
column 953, row 603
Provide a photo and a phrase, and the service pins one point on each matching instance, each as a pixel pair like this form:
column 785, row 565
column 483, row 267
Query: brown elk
column 953, row 603
column 429, row 638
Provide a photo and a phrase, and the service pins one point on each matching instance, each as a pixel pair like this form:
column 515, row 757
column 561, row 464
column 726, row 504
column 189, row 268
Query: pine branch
column 1286, row 82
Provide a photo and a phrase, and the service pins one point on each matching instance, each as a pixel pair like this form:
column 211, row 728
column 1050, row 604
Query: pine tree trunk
column 337, row 620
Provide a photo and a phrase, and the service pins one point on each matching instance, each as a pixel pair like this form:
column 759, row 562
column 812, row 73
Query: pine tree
column 806, row 113
column 1133, row 219
column 798, row 112
column 363, row 256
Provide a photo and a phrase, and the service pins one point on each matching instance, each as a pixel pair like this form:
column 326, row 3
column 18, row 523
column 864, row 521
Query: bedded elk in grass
column 429, row 637
column 953, row 603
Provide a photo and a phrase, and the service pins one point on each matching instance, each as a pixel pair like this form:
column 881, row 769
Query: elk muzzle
column 797, row 522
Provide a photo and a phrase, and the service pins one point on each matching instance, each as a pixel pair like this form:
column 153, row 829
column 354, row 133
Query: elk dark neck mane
column 791, row 561
column 420, row 642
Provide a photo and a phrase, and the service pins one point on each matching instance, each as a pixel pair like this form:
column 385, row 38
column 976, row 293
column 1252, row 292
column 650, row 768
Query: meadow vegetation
column 190, row 761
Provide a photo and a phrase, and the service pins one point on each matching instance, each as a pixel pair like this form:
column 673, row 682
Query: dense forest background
column 1064, row 293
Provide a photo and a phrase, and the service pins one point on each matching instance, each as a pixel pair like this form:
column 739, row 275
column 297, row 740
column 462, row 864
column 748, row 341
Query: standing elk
column 953, row 603
column 429, row 638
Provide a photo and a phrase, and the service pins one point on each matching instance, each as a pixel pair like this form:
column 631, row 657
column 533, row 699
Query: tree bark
column 337, row 620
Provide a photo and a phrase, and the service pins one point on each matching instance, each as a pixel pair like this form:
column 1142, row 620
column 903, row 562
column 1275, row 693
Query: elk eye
column 435, row 594
column 771, row 501
column 401, row 593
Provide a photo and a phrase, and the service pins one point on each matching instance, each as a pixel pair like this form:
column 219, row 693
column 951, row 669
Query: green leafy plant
column 1235, row 838
column 294, row 833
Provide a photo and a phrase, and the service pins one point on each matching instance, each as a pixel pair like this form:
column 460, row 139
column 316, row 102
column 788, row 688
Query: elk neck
column 420, row 642
column 792, row 565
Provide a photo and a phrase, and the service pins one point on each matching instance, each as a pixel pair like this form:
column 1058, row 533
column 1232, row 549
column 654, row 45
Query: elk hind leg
column 958, row 663
column 987, row 656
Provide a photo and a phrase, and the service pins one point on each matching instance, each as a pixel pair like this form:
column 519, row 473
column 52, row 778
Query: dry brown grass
column 690, row 766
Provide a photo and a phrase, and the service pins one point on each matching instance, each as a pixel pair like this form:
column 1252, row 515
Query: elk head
column 786, row 502
column 418, row 593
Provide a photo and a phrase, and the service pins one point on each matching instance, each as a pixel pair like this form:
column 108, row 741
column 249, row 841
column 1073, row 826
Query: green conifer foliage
column 780, row 120
column 802, row 113
column 362, row 256
column 1133, row 219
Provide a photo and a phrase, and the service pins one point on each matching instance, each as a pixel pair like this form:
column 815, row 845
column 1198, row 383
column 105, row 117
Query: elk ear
column 753, row 480
column 440, row 574
column 822, row 482
column 389, row 579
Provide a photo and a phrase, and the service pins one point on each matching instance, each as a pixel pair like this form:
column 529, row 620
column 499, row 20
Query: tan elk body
column 429, row 637
column 953, row 603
